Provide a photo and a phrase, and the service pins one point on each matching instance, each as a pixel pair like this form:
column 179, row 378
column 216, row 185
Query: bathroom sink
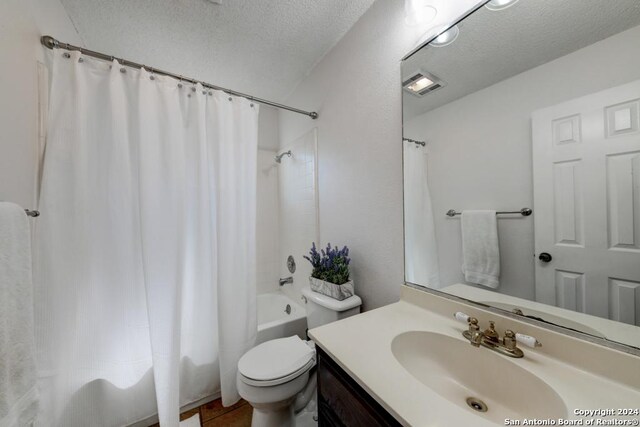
column 483, row 382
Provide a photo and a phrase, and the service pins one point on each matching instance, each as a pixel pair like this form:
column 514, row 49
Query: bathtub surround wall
column 298, row 209
column 495, row 172
column 356, row 90
column 267, row 226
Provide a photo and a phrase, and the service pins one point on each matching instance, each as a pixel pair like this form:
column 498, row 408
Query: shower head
column 280, row 156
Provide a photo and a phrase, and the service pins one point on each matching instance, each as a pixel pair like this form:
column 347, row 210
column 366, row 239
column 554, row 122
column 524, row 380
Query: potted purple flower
column 330, row 275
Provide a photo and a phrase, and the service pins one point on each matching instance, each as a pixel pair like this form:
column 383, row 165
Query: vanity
column 408, row 364
column 343, row 402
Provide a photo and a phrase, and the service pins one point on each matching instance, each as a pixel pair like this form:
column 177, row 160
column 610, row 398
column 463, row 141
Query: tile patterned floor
column 213, row 414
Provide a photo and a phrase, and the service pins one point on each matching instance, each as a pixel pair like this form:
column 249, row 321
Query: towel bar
column 523, row 212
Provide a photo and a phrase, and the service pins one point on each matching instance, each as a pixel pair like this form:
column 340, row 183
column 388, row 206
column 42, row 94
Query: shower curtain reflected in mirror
column 421, row 250
column 145, row 252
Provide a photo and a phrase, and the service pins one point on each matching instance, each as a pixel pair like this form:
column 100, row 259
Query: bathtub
column 275, row 322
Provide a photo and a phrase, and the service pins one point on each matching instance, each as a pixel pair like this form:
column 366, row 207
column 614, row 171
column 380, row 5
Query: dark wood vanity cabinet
column 343, row 402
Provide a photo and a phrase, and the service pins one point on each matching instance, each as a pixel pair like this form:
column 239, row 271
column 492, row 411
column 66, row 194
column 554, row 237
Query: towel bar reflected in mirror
column 523, row 212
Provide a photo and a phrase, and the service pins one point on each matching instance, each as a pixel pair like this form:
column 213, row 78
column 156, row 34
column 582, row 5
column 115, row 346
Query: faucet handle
column 473, row 324
column 528, row 340
column 461, row 317
column 511, row 339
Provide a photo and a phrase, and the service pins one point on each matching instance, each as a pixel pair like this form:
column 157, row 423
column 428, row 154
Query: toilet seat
column 276, row 362
column 281, row 380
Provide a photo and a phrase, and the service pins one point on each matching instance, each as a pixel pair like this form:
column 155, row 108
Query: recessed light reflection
column 446, row 38
column 418, row 12
column 500, row 4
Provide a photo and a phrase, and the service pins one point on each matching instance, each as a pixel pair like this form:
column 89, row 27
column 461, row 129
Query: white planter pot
column 332, row 290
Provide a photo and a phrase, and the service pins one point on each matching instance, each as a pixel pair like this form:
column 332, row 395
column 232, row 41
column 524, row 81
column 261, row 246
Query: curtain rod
column 52, row 43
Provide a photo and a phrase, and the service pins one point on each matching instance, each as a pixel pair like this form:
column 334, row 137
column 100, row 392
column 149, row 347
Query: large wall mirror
column 522, row 163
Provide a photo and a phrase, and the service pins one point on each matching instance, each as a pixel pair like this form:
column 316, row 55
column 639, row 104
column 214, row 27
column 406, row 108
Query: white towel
column 480, row 252
column 18, row 393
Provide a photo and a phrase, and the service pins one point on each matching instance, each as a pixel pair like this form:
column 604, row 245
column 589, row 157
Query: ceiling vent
column 421, row 83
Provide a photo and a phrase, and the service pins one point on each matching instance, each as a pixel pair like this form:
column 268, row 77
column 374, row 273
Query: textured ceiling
column 493, row 46
column 264, row 48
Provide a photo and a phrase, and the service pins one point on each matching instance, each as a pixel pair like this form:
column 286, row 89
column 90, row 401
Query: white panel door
column 586, row 175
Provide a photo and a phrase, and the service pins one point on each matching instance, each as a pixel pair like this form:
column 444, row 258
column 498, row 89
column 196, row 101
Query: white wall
column 22, row 22
column 480, row 150
column 356, row 90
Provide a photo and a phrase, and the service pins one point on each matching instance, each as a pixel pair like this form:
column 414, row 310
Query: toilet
column 278, row 377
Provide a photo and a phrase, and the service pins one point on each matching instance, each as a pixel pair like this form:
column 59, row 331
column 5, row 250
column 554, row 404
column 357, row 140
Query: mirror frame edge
column 614, row 345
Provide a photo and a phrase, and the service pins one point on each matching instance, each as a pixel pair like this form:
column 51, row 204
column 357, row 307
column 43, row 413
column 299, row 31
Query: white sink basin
column 458, row 371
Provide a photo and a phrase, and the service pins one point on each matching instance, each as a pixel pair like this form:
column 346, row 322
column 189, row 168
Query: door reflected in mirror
column 535, row 106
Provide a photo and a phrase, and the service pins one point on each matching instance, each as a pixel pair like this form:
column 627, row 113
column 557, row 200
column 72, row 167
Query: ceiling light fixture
column 418, row 12
column 421, row 83
column 446, row 38
column 500, row 4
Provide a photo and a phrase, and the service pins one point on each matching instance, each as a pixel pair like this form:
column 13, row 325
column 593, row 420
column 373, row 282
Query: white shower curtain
column 421, row 250
column 145, row 250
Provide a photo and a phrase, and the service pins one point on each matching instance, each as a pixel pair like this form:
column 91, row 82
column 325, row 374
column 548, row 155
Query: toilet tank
column 322, row 309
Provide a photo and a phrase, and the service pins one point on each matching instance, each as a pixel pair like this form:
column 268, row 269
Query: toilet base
column 273, row 417
column 308, row 417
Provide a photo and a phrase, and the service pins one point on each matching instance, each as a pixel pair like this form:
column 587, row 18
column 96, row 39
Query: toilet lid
column 275, row 359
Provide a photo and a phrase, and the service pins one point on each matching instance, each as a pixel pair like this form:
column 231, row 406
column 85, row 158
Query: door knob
column 545, row 257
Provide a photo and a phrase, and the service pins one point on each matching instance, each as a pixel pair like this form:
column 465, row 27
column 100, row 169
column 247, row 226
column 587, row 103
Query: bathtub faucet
column 286, row 280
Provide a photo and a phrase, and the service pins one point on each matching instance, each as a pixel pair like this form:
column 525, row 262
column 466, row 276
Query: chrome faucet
column 286, row 280
column 490, row 338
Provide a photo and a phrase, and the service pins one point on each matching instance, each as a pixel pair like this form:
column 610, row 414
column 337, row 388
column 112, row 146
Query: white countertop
column 361, row 345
